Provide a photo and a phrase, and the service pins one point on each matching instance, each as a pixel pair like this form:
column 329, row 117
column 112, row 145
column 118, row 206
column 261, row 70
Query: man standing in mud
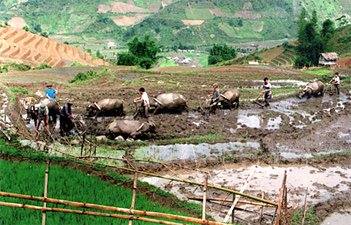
column 50, row 92
column 214, row 99
column 66, row 123
column 145, row 104
column 336, row 81
column 43, row 113
column 266, row 89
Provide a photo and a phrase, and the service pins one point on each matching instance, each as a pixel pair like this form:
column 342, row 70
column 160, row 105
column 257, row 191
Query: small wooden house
column 328, row 59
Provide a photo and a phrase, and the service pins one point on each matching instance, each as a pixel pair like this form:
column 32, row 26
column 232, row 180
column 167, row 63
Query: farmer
column 266, row 89
column 50, row 92
column 336, row 81
column 145, row 104
column 66, row 123
column 43, row 113
column 214, row 99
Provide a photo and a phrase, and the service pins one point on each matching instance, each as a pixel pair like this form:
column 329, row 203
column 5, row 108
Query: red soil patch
column 344, row 62
column 19, row 46
column 17, row 22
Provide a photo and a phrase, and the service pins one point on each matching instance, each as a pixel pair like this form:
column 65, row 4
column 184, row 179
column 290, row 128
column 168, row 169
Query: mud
column 284, row 134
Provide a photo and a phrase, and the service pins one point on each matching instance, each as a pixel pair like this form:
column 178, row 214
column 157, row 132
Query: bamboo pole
column 261, row 210
column 133, row 197
column 204, row 199
column 228, row 200
column 169, row 178
column 241, row 194
column 16, row 205
column 110, row 208
column 81, row 149
column 46, row 189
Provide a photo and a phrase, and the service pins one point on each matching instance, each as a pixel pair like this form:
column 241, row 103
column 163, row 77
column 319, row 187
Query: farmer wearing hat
column 43, row 113
column 50, row 92
column 145, row 104
column 214, row 99
column 66, row 123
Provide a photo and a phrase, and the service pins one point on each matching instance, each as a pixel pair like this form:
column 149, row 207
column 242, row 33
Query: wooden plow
column 258, row 101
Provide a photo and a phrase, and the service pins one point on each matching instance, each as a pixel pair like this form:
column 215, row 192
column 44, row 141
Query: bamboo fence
column 109, row 208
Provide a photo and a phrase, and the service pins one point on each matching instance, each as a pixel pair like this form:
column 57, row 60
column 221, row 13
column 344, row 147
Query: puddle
column 322, row 184
column 190, row 151
column 258, row 121
column 338, row 218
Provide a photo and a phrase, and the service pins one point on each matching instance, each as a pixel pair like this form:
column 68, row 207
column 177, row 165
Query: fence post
column 204, row 199
column 81, row 149
column 261, row 211
column 133, row 198
column 46, row 189
column 233, row 209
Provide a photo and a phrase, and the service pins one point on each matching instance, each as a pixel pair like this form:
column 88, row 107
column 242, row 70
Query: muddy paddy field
column 309, row 138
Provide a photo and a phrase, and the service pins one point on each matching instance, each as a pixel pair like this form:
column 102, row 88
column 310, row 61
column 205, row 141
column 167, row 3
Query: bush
column 221, row 53
column 20, row 67
column 5, row 69
column 127, row 59
column 145, row 63
column 42, row 66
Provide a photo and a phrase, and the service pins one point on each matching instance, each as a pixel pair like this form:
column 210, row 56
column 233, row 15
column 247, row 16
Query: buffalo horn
column 97, row 106
column 141, row 126
column 157, row 101
column 225, row 97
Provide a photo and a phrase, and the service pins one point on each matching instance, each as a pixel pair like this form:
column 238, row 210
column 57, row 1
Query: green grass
column 193, row 139
column 69, row 184
column 319, row 72
column 168, row 63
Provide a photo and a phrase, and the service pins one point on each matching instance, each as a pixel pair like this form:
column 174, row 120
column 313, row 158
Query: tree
column 37, row 28
column 127, row 59
column 327, row 32
column 220, row 53
column 26, row 28
column 44, row 34
column 310, row 41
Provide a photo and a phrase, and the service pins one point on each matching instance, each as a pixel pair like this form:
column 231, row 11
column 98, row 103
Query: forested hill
column 171, row 22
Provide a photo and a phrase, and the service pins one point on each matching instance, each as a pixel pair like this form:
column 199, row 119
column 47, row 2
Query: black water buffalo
column 312, row 88
column 169, row 102
column 129, row 128
column 106, row 107
column 230, row 97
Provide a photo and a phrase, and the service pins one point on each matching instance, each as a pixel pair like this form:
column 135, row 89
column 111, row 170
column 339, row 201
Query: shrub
column 42, row 66
column 20, row 67
column 145, row 63
column 127, row 59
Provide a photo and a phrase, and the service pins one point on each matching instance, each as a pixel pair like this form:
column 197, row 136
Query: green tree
column 26, row 28
column 127, row 59
column 220, row 53
column 327, row 32
column 310, row 42
column 37, row 28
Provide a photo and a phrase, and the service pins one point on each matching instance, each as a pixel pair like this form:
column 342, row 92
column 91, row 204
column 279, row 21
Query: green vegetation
column 71, row 184
column 220, row 53
column 4, row 69
column 20, row 67
column 141, row 53
column 168, row 63
column 90, row 75
column 311, row 217
column 312, row 41
column 42, row 66
column 192, row 139
column 18, row 91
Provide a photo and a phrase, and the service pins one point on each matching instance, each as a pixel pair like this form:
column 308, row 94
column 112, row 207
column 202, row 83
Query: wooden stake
column 261, row 210
column 16, row 205
column 204, row 199
column 305, row 208
column 110, row 208
column 233, row 217
column 241, row 193
column 133, row 198
column 282, row 189
column 46, row 189
column 81, row 149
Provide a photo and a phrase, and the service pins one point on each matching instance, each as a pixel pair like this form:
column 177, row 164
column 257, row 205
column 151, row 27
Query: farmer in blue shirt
column 50, row 92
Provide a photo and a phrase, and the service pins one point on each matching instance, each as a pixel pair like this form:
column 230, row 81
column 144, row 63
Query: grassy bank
column 72, row 184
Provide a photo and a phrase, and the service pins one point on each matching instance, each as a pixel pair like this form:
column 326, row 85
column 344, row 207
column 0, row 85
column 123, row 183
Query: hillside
column 19, row 46
column 199, row 22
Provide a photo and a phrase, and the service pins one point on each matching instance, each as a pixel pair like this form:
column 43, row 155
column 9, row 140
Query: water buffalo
column 229, row 98
column 129, row 128
column 168, row 102
column 106, row 107
column 312, row 88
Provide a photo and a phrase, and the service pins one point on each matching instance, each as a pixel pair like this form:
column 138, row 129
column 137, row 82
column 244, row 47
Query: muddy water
column 343, row 217
column 185, row 151
column 322, row 184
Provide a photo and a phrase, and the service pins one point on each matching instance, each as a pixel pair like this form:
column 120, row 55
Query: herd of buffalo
column 166, row 102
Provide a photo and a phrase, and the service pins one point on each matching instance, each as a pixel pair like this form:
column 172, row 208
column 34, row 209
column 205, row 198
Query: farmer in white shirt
column 336, row 81
column 145, row 104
